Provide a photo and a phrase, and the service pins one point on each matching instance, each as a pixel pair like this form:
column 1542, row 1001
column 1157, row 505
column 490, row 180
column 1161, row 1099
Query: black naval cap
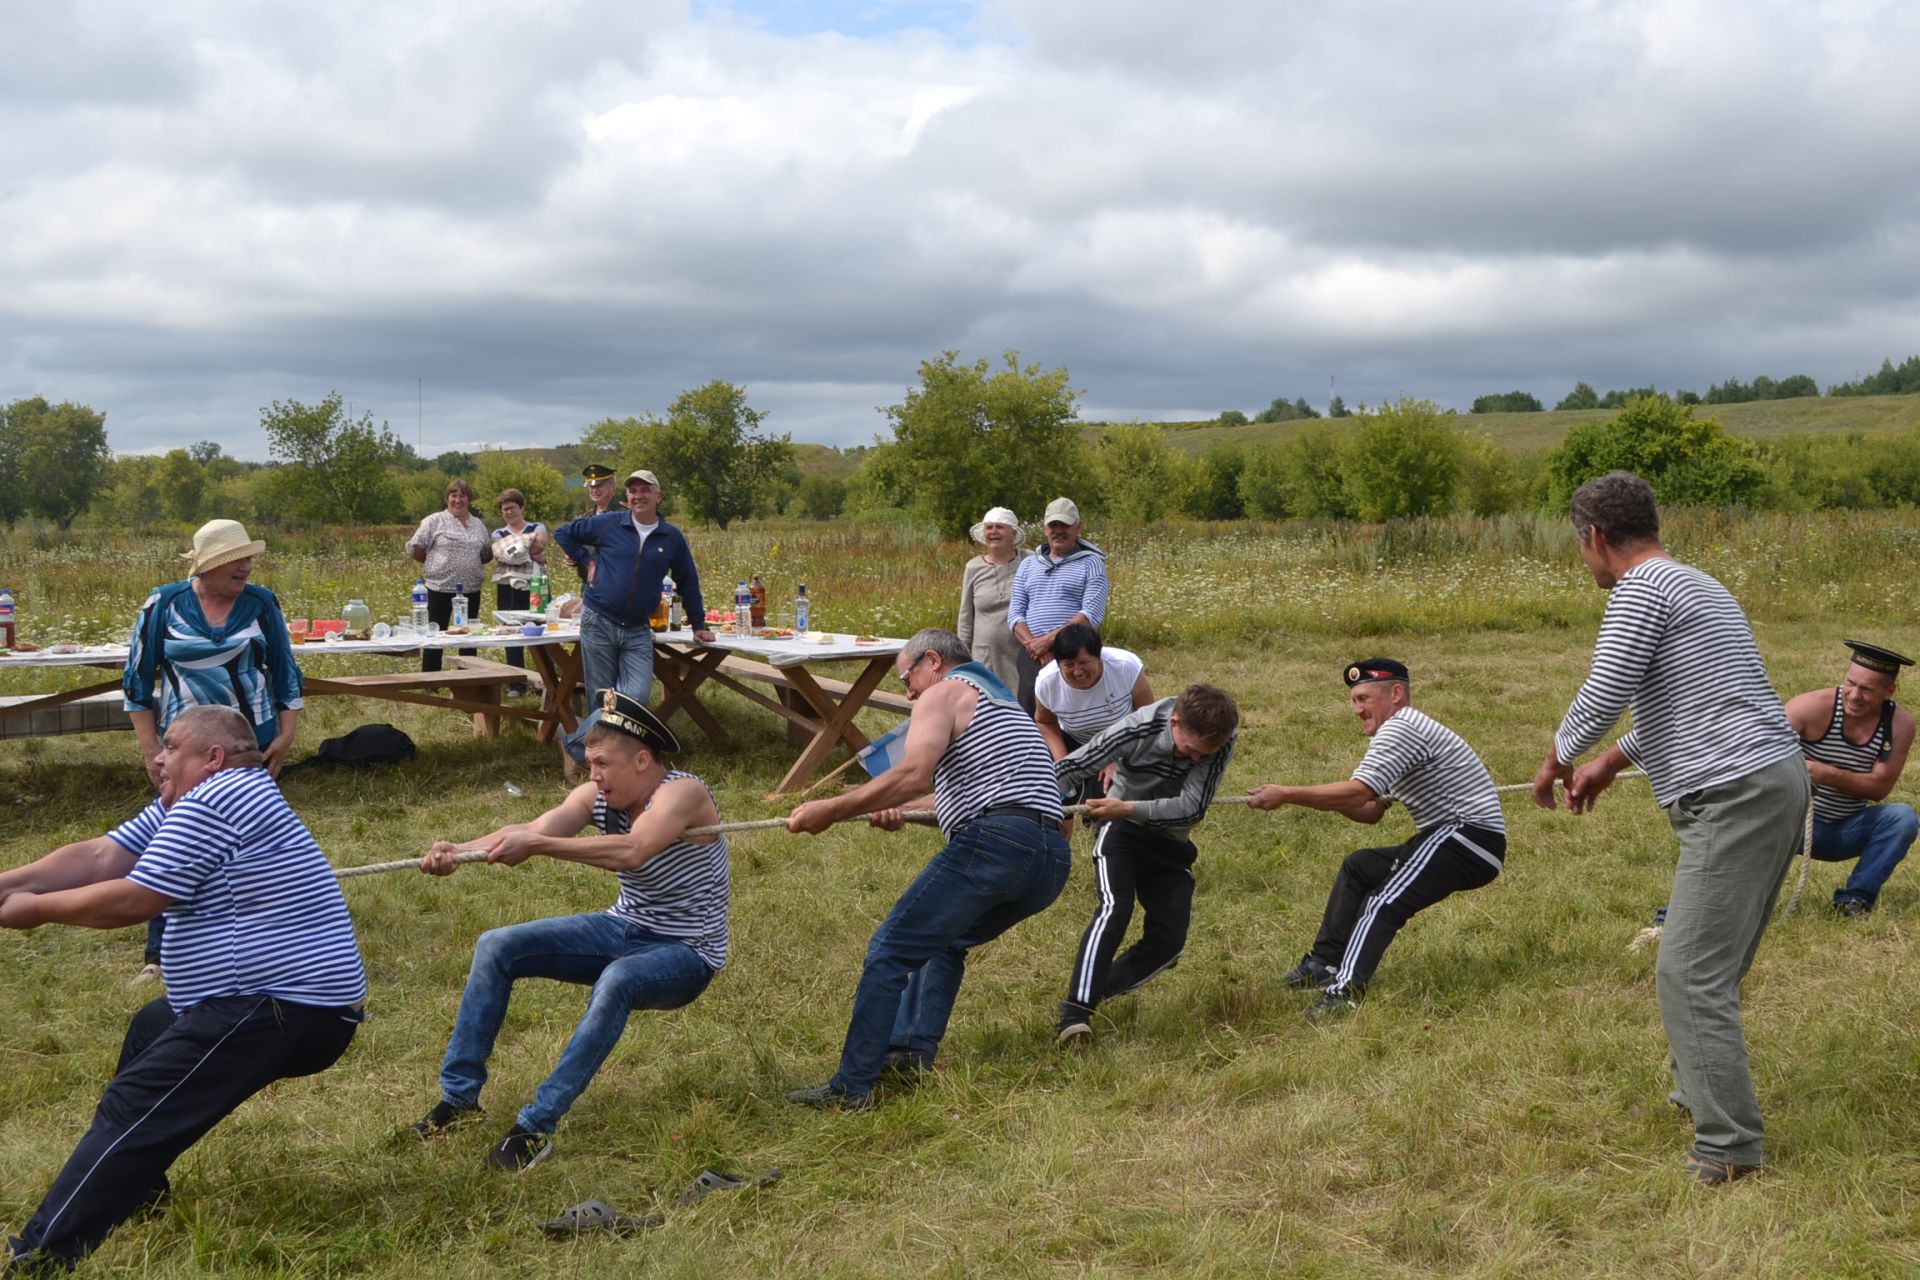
column 596, row 471
column 1874, row 658
column 1368, row 670
column 631, row 717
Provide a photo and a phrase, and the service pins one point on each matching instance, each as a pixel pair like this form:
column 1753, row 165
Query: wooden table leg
column 679, row 676
column 837, row 726
column 557, row 683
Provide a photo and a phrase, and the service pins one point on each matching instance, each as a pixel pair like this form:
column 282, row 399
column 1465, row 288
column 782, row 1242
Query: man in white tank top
column 974, row 757
column 1856, row 742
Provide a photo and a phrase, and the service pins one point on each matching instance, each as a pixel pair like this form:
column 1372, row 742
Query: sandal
column 597, row 1215
column 713, row 1180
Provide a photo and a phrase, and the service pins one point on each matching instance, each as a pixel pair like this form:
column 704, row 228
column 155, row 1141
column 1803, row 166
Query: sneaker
column 520, row 1150
column 1715, row 1173
column 1076, row 1024
column 1331, row 1007
column 1852, row 907
column 907, row 1064
column 444, row 1116
column 1311, row 972
column 831, row 1097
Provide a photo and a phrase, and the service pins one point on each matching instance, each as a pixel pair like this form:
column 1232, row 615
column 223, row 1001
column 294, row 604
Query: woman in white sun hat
column 985, row 586
column 212, row 639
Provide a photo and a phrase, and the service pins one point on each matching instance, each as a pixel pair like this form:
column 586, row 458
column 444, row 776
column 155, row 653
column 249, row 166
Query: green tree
column 1212, row 490
column 336, row 466
column 969, row 437
column 1583, row 396
column 819, row 497
column 455, row 462
column 1135, row 472
column 133, row 496
column 1284, row 410
column 1491, row 483
column 57, row 455
column 543, row 486
column 1507, row 402
column 1686, row 459
column 1889, row 381
column 1338, row 409
column 1232, row 418
column 182, row 484
column 711, row 450
column 1403, row 460
column 1302, row 477
column 1617, row 399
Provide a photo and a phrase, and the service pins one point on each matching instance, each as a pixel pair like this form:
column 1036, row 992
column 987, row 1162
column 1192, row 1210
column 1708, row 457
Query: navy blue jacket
column 625, row 591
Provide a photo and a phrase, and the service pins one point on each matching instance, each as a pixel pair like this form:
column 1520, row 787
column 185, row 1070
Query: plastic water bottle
column 742, row 609
column 6, row 618
column 459, row 604
column 420, row 606
column 801, row 610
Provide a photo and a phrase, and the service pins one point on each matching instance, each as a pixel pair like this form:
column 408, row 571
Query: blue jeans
column 994, row 873
column 613, row 655
column 628, row 968
column 1879, row 835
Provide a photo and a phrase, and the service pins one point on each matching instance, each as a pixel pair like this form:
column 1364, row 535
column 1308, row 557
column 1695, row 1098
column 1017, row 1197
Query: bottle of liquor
column 459, row 604
column 6, row 619
column 742, row 609
column 661, row 608
column 676, row 617
column 759, row 608
column 802, row 610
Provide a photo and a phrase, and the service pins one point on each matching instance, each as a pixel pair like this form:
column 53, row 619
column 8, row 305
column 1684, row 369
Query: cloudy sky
column 488, row 221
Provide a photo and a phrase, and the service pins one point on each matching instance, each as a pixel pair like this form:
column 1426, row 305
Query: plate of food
column 866, row 639
column 775, row 633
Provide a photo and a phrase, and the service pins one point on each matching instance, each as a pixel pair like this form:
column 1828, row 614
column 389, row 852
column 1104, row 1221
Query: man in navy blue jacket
column 634, row 550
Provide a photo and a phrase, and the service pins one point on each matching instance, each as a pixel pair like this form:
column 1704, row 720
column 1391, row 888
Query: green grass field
column 1497, row 1108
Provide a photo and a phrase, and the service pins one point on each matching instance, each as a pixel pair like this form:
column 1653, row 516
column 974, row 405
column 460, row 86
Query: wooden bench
column 98, row 714
column 474, row 685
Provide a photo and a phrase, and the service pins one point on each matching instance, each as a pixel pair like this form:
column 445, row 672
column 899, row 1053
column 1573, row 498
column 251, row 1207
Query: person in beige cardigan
column 985, row 585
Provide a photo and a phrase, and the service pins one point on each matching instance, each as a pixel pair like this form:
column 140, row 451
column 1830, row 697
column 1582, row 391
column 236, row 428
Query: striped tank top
column 680, row 892
column 999, row 760
column 1834, row 749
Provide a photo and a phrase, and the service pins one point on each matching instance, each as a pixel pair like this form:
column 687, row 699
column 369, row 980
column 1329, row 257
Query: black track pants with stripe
column 1379, row 890
column 1129, row 862
column 178, row 1077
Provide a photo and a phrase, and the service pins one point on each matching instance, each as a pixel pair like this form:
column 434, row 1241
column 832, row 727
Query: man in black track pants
column 1459, row 840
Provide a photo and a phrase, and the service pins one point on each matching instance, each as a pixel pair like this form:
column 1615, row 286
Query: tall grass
column 1496, row 1109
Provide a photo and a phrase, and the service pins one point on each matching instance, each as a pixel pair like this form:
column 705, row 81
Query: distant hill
column 1525, row 432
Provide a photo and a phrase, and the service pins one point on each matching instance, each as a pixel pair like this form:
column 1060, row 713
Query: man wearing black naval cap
column 598, row 478
column 656, row 947
column 1459, row 840
column 1856, row 740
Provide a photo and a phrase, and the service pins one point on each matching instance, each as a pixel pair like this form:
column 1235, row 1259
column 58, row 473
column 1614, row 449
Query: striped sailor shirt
column 1429, row 768
column 1169, row 792
column 1048, row 592
column 1085, row 712
column 680, row 892
column 1675, row 648
column 136, row 833
column 999, row 761
column 1833, row 748
column 256, row 909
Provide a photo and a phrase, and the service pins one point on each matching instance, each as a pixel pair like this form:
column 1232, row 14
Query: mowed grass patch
column 1496, row 1108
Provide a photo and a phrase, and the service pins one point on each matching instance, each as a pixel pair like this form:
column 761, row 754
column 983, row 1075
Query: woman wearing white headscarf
column 985, row 586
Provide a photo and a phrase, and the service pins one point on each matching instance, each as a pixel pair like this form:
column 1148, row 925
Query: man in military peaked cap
column 1856, row 740
column 656, row 947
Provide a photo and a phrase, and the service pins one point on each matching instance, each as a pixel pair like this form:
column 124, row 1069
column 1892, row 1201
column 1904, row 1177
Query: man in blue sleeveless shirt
column 992, row 788
column 264, row 980
column 1856, row 742
column 657, row 947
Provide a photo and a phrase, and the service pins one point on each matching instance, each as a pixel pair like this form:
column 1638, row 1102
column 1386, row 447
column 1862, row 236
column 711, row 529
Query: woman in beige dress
column 984, row 587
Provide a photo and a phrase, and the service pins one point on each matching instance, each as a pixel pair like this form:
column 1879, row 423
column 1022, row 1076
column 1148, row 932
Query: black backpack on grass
column 370, row 744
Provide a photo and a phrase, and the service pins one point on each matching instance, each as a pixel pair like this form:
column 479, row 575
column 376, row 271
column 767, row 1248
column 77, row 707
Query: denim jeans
column 994, row 873
column 613, row 655
column 628, row 968
column 1879, row 835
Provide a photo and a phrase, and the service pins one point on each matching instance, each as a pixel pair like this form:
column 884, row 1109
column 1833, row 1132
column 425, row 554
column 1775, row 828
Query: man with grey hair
column 1063, row 581
column 264, row 979
column 1713, row 739
column 978, row 761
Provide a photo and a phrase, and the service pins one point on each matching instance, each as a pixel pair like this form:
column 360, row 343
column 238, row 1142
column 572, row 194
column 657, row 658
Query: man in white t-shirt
column 1087, row 688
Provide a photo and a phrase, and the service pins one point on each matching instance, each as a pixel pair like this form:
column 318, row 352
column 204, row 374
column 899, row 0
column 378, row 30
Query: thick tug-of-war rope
column 919, row 817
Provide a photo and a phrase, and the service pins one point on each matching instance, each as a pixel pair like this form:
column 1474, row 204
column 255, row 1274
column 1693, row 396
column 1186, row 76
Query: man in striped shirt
column 1856, row 742
column 656, row 947
column 1168, row 758
column 1063, row 581
column 264, row 980
column 1711, row 735
column 994, row 797
column 1459, row 840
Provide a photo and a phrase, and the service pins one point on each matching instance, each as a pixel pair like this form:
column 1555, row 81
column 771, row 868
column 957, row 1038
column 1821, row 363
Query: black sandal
column 713, row 1180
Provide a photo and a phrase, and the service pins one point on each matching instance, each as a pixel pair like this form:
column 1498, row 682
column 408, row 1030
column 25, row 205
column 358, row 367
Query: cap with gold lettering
column 631, row 717
column 1874, row 658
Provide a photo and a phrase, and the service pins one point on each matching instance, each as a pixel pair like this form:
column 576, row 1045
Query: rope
column 918, row 817
column 1806, row 865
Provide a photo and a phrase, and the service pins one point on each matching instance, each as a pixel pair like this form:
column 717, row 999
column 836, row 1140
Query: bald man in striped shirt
column 1725, row 764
